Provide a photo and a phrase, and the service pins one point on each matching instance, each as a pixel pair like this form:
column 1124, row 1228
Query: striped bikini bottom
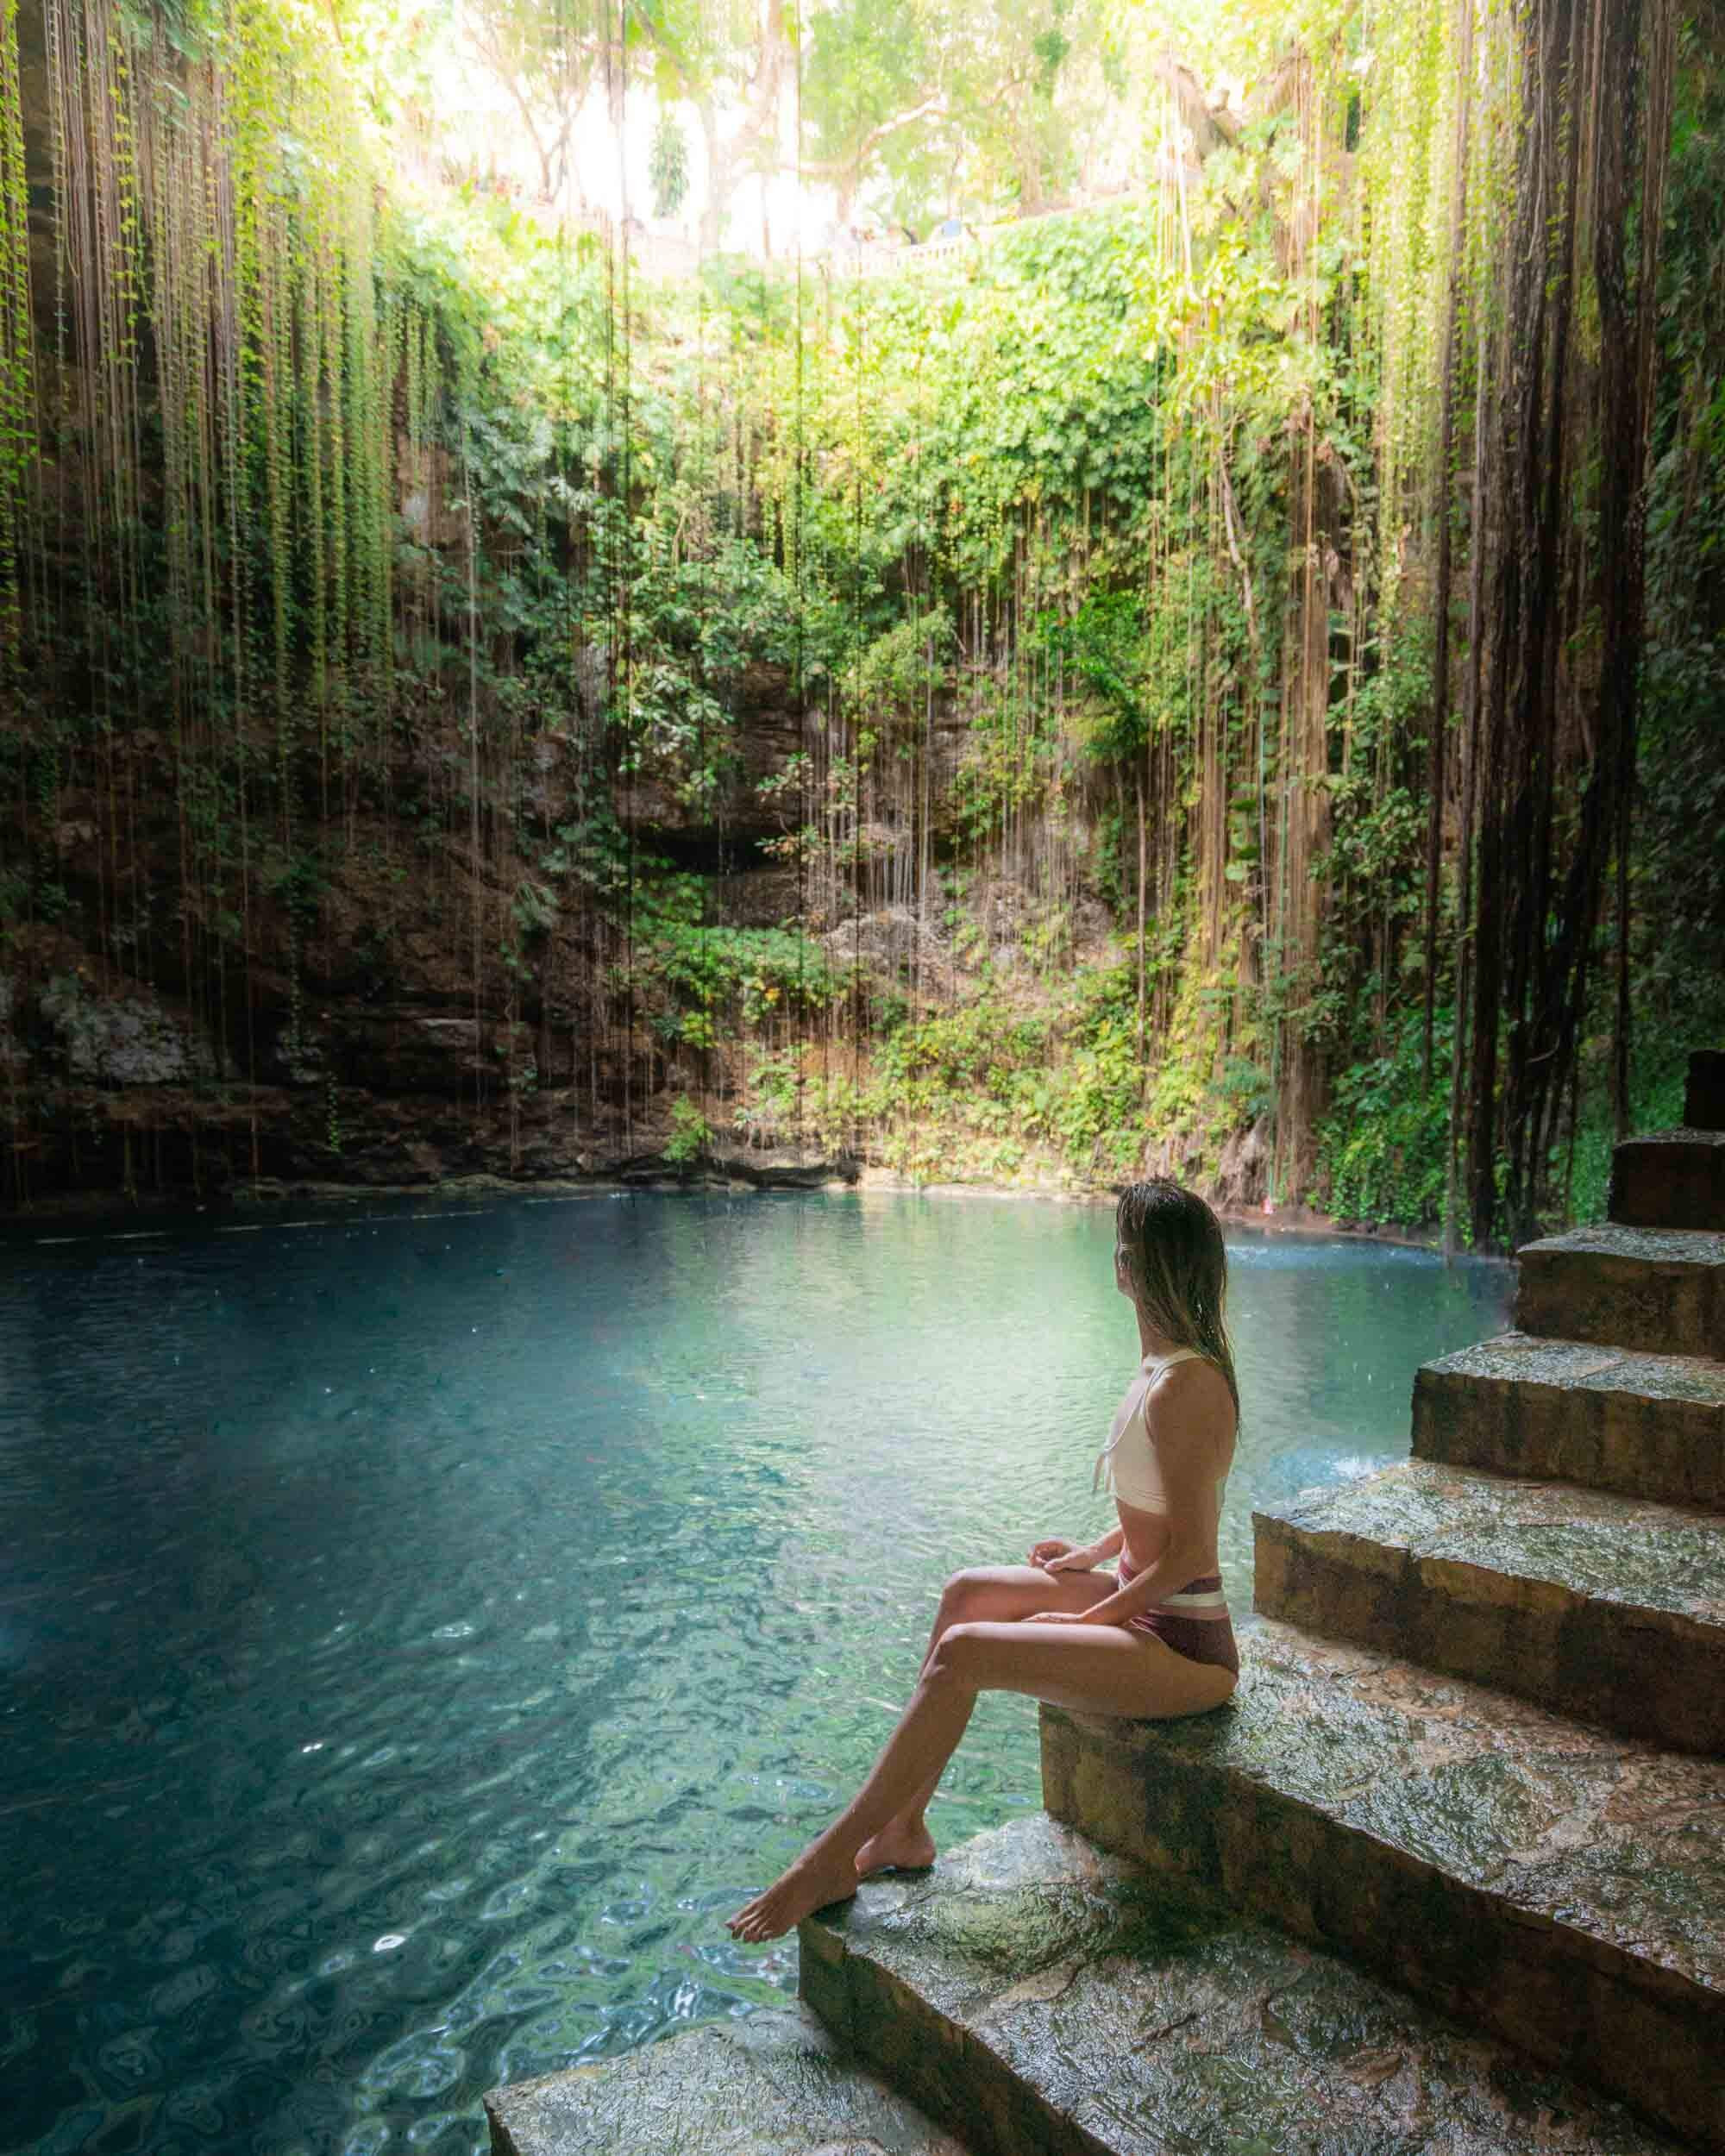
column 1194, row 1622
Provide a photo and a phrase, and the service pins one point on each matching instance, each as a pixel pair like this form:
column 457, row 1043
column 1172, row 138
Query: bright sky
column 480, row 129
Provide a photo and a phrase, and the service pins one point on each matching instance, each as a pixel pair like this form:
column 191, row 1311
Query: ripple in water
column 419, row 1632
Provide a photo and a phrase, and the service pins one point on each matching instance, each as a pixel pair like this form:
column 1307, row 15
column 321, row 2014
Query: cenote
column 421, row 1624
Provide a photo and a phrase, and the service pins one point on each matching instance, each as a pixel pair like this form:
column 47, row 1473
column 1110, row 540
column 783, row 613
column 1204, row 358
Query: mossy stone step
column 774, row 2084
column 1608, row 1608
column 1670, row 1179
column 1047, row 2000
column 1648, row 1425
column 1659, row 1289
column 1560, row 1887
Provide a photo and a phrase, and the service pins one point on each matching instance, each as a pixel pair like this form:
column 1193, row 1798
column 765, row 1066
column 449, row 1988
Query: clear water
column 418, row 1629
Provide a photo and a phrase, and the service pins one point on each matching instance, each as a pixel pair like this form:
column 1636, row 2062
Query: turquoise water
column 418, row 1627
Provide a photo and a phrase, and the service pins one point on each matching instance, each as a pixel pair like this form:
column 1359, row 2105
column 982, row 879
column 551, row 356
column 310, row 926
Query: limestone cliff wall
column 390, row 1026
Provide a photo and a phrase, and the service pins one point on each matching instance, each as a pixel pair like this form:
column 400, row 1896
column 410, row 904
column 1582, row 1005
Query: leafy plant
column 667, row 165
column 691, row 1134
column 1384, row 1149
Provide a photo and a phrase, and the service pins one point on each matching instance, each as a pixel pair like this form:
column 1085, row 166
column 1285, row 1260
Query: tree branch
column 836, row 167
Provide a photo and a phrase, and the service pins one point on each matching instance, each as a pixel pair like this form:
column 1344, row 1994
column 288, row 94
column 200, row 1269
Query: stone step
column 1557, row 1886
column 1670, row 1179
column 774, row 2084
column 1703, row 1099
column 1649, row 1426
column 1610, row 1608
column 1659, row 1289
column 1047, row 2000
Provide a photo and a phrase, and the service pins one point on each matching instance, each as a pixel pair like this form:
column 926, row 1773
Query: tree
column 720, row 60
column 1023, row 76
column 547, row 55
column 945, row 103
column 874, row 100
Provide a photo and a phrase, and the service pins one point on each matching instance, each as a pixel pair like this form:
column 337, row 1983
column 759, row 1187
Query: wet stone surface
column 1558, row 1885
column 1643, row 1423
column 1476, row 1780
column 1654, row 1557
column 1572, row 1366
column 1610, row 1608
column 774, row 2084
column 1662, row 1289
column 1059, row 2001
column 1670, row 1179
column 1644, row 1246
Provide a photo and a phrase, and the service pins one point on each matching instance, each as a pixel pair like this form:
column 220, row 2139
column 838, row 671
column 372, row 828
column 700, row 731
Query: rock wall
column 386, row 1034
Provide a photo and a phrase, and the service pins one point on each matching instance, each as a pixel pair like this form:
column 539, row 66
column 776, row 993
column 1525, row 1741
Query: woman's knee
column 960, row 1593
column 967, row 1581
column 957, row 1657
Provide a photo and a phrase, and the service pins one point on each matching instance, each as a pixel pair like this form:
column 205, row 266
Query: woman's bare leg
column 1099, row 1668
column 1002, row 1594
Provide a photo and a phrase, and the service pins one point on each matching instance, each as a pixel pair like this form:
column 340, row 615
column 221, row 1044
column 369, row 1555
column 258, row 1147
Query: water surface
column 420, row 1625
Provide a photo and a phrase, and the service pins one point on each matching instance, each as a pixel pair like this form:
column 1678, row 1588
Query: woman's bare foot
column 818, row 1876
column 896, row 1848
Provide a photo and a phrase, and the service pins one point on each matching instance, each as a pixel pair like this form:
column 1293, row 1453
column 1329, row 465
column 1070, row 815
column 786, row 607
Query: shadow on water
column 418, row 1627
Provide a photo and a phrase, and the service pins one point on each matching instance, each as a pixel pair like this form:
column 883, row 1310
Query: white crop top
column 1127, row 1466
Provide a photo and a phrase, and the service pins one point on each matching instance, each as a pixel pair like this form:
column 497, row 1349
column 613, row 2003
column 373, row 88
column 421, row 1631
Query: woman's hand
column 1057, row 1555
column 1056, row 1617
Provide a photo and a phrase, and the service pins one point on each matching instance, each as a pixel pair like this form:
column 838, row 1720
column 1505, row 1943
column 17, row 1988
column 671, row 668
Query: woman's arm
column 1087, row 1559
column 1172, row 1570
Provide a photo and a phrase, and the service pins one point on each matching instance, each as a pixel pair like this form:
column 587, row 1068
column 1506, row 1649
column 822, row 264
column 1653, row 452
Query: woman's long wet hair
column 1178, row 1268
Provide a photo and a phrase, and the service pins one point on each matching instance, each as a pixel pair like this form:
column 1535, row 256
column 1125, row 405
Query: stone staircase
column 1445, row 1878
column 1044, row 1998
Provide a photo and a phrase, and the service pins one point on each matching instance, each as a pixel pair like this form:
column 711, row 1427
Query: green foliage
column 773, row 1099
column 1013, row 755
column 667, row 165
column 973, row 1053
column 994, row 1075
column 1245, row 1091
column 1678, row 896
column 903, row 669
column 1104, row 645
column 715, row 982
column 923, row 106
column 1384, row 1149
column 691, row 1134
column 17, row 371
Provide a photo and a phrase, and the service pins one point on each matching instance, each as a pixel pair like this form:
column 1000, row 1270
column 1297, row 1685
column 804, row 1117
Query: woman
column 1152, row 1641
